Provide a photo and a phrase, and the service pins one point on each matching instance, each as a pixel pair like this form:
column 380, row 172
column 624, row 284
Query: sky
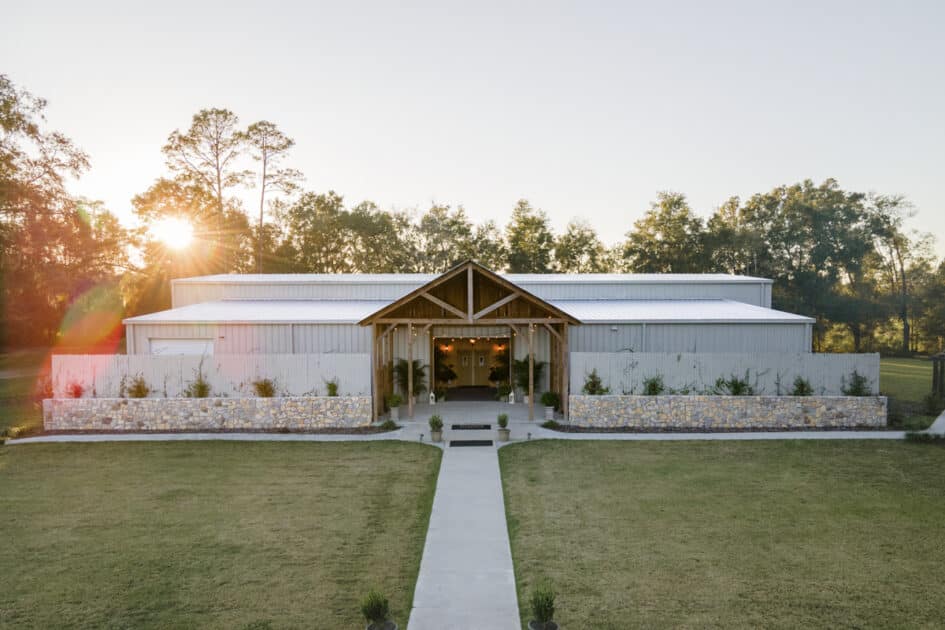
column 586, row 109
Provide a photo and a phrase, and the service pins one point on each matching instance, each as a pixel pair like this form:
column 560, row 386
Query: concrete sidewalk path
column 466, row 577
column 541, row 433
column 938, row 426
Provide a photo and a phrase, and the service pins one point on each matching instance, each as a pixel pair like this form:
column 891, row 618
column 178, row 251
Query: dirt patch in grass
column 210, row 534
column 788, row 534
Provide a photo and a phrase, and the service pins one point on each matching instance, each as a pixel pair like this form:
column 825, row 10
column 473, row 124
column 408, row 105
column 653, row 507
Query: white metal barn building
column 468, row 318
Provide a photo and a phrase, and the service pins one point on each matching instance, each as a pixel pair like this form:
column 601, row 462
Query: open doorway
column 471, row 368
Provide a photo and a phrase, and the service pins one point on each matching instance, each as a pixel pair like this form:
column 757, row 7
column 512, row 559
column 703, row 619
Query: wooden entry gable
column 469, row 294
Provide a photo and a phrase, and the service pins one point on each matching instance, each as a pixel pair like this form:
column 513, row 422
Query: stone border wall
column 206, row 414
column 728, row 412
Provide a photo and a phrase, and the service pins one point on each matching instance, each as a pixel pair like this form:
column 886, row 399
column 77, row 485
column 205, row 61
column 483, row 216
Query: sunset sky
column 586, row 109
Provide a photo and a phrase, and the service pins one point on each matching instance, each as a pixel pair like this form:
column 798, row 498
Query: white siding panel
column 769, row 373
column 332, row 338
column 606, row 338
column 229, row 375
column 726, row 338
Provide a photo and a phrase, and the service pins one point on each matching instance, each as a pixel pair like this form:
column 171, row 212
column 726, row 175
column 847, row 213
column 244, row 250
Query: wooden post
column 410, row 370
column 531, row 372
column 565, row 372
column 469, row 293
column 376, row 373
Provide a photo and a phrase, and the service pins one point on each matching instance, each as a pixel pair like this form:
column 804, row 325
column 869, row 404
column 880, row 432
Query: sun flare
column 172, row 232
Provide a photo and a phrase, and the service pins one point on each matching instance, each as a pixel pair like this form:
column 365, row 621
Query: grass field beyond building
column 210, row 534
column 792, row 534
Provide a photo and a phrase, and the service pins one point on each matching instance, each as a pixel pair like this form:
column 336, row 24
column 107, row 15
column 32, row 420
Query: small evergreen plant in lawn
column 375, row 608
column 503, row 420
column 436, row 423
column 802, row 387
column 264, row 388
column 542, row 603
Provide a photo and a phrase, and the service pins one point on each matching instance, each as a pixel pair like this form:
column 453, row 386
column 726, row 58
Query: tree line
column 847, row 258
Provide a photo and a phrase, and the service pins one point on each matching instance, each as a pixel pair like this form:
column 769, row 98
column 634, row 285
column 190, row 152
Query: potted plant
column 543, row 608
column 376, row 611
column 436, row 428
column 503, row 421
column 551, row 401
column 394, row 401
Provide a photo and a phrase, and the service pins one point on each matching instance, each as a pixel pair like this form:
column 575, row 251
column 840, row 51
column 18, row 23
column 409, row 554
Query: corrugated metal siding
column 726, row 338
column 332, row 338
column 603, row 338
column 757, row 293
column 749, row 293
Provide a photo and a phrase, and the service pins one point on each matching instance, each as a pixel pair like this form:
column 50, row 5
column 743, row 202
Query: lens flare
column 173, row 232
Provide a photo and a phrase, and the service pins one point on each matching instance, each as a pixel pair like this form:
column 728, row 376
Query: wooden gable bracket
column 444, row 305
column 497, row 304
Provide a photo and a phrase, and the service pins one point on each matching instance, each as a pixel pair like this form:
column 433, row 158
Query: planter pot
column 395, row 413
column 504, row 434
column 549, row 413
column 537, row 625
column 387, row 625
column 525, row 399
column 436, row 436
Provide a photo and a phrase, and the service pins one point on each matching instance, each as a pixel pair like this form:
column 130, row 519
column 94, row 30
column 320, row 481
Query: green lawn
column 210, row 534
column 907, row 379
column 792, row 534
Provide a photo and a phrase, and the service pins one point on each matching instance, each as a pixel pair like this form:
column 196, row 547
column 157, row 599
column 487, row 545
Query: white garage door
column 182, row 346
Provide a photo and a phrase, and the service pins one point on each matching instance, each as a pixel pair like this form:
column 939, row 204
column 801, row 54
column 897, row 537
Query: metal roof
column 265, row 311
column 695, row 311
column 352, row 311
column 518, row 278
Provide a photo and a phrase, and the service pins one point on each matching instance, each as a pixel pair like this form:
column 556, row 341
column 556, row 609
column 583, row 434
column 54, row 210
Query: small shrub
column 858, row 385
column 593, row 385
column 394, row 401
column 550, row 424
column 375, row 608
column 74, row 390
column 332, row 387
column 138, row 388
column 542, row 602
column 933, row 405
column 551, row 399
column 653, row 385
column 502, row 391
column 925, row 438
column 802, row 387
column 503, row 420
column 264, row 388
column 389, row 425
column 198, row 388
column 436, row 423
column 733, row 386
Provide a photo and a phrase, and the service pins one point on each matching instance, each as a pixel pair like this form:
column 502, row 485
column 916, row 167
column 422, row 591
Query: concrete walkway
column 466, row 578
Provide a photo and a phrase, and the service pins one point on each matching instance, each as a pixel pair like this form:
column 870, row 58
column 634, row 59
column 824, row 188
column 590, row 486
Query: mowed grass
column 906, row 379
column 210, row 534
column 792, row 534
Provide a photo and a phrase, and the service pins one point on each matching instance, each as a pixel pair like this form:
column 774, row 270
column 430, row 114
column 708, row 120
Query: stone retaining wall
column 728, row 412
column 206, row 414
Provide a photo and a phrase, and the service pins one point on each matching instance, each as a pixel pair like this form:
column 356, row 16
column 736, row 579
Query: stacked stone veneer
column 727, row 412
column 206, row 414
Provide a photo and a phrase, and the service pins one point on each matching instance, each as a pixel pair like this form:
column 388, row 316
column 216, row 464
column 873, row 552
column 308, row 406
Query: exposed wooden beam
column 490, row 322
column 387, row 330
column 410, row 370
column 497, row 304
column 531, row 373
column 469, row 292
column 553, row 331
column 444, row 305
